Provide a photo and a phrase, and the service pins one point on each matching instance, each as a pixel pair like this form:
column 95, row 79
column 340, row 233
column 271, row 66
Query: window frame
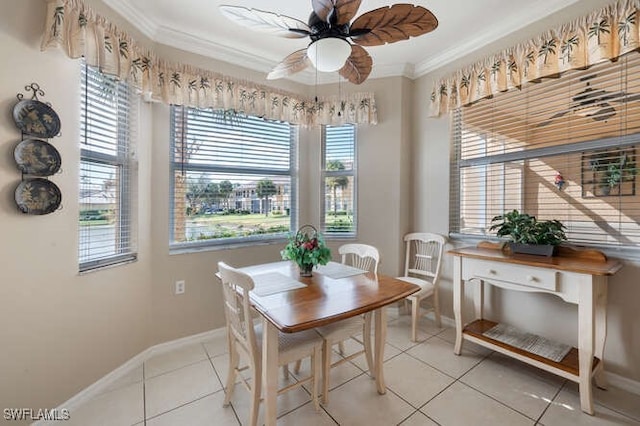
column 226, row 243
column 623, row 139
column 124, row 241
column 353, row 173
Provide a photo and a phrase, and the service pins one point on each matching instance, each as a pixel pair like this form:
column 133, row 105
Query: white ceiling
column 198, row 26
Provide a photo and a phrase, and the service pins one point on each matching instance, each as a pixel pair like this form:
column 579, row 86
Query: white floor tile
column 173, row 360
column 306, row 416
column 439, row 354
column 217, row 345
column 520, row 386
column 287, row 402
column 415, row 381
column 565, row 410
column 206, row 411
column 122, row 406
column 418, row 419
column 358, row 403
column 492, row 390
column 449, row 335
column 170, row 390
column 461, row 405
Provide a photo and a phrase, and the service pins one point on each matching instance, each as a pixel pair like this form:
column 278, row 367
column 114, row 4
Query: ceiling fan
column 593, row 103
column 330, row 30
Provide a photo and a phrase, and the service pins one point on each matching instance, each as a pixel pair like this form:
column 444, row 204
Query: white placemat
column 338, row 270
column 529, row 342
column 274, row 282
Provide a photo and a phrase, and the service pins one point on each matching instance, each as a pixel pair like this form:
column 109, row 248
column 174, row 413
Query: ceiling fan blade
column 605, row 113
column 292, row 64
column 622, row 97
column 391, row 24
column 323, row 8
column 346, row 10
column 267, row 22
column 553, row 117
column 358, row 65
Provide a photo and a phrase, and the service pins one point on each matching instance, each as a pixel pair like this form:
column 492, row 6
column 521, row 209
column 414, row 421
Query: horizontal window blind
column 563, row 149
column 105, row 226
column 233, row 178
column 339, row 180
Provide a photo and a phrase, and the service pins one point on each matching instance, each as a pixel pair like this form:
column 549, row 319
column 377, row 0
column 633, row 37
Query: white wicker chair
column 422, row 267
column 245, row 336
column 365, row 257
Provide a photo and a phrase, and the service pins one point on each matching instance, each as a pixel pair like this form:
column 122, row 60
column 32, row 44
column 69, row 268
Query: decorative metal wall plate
column 36, row 118
column 37, row 158
column 38, row 196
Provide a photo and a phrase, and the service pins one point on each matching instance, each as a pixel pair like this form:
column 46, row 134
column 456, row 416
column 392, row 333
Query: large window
column 105, row 225
column 233, row 178
column 563, row 149
column 339, row 180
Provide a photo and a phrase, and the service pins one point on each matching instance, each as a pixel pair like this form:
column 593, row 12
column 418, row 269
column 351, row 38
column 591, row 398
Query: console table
column 578, row 277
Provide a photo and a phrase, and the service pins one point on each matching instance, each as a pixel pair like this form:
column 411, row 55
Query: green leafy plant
column 306, row 248
column 526, row 229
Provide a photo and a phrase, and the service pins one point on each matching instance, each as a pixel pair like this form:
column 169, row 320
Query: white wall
column 542, row 314
column 59, row 331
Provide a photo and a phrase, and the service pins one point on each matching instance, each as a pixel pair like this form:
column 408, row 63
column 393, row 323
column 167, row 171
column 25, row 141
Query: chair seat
column 341, row 330
column 290, row 344
column 426, row 287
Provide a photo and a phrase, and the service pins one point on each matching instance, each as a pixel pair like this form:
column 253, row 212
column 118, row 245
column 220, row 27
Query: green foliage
column 340, row 225
column 305, row 249
column 526, row 229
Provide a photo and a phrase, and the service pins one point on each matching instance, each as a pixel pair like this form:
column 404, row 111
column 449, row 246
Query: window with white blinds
column 339, row 180
column 564, row 149
column 106, row 232
column 233, row 178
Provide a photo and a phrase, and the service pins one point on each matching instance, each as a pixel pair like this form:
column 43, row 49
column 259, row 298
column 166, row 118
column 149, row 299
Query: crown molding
column 139, row 20
column 201, row 46
column 495, row 33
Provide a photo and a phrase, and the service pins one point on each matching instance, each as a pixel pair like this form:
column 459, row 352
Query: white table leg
column 381, row 337
column 600, row 285
column 458, row 295
column 270, row 371
column 585, row 342
column 478, row 300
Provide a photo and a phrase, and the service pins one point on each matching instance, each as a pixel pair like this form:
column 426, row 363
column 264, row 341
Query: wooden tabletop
column 324, row 300
column 569, row 260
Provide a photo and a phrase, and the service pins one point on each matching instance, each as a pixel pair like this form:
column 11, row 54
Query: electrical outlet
column 180, row 287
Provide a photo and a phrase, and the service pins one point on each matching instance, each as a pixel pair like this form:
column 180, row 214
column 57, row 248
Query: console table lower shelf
column 568, row 367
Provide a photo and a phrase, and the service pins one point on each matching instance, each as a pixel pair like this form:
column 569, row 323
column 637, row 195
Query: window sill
column 198, row 248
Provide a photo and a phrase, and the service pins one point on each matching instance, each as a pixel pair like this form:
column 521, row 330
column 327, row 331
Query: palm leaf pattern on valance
column 81, row 32
column 603, row 35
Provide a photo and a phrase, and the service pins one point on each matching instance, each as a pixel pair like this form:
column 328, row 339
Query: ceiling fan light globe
column 329, row 54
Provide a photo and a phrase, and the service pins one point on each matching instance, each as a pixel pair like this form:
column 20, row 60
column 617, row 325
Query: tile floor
column 427, row 385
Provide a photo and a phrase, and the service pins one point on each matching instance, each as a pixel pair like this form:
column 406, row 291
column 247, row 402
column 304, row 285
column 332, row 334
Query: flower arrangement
column 307, row 249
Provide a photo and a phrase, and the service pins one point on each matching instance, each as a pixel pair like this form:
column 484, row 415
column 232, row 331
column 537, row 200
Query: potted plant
column 307, row 249
column 527, row 234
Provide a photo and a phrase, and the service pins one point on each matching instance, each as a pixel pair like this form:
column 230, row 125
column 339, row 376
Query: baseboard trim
column 103, row 383
column 623, row 383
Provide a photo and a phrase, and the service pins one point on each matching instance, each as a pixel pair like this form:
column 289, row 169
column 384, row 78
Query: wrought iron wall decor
column 36, row 158
column 610, row 172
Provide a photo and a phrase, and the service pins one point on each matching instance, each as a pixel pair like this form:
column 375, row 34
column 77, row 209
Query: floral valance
column 81, row 32
column 603, row 35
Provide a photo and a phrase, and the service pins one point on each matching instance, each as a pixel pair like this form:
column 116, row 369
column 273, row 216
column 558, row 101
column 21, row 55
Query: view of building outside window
column 339, row 177
column 232, row 178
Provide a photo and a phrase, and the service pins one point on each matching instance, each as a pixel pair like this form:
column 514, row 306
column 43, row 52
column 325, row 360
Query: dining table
column 289, row 303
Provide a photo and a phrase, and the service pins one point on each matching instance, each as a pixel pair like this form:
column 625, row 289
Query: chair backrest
column 237, row 310
column 424, row 255
column 362, row 256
